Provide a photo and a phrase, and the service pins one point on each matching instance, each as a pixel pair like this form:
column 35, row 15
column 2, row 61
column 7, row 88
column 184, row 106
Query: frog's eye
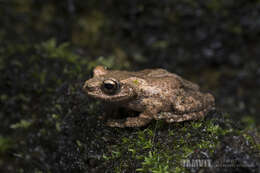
column 110, row 86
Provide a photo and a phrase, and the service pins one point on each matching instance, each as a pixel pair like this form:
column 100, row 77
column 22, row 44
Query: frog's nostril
column 87, row 87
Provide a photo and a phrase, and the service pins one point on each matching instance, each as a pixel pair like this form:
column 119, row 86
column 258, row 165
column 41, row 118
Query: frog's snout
column 87, row 87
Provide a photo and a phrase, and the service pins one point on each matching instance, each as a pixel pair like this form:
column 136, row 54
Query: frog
column 155, row 94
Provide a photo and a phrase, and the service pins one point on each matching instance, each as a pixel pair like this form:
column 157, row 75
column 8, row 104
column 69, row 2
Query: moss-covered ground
column 58, row 128
column 48, row 49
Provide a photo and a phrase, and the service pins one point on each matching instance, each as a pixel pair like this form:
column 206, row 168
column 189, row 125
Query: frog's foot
column 116, row 123
column 129, row 122
column 170, row 117
column 136, row 121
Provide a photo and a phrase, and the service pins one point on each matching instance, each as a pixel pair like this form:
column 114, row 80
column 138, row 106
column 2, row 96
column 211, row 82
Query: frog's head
column 108, row 86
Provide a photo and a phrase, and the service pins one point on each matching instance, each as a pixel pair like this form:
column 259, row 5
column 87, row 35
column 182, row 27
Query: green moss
column 155, row 163
column 3, row 97
column 22, row 124
column 5, row 144
column 107, row 62
column 249, row 138
column 55, row 116
column 249, row 122
column 51, row 49
column 214, row 5
column 37, row 78
column 165, row 152
column 163, row 44
column 252, row 142
column 57, row 125
column 89, row 28
column 79, row 143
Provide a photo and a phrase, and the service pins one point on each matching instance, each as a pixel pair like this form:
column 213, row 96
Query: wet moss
column 30, row 86
column 61, row 115
column 48, row 50
column 5, row 144
column 163, row 148
column 22, row 124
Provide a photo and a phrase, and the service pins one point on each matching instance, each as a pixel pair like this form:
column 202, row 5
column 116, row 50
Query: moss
column 33, row 75
column 154, row 163
column 22, row 124
column 163, row 44
column 5, row 144
column 165, row 152
column 52, row 50
column 214, row 5
column 107, row 62
column 54, row 125
column 89, row 28
column 249, row 122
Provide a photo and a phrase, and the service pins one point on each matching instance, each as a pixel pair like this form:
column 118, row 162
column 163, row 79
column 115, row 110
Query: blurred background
column 46, row 45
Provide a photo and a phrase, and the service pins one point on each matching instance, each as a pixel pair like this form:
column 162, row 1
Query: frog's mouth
column 120, row 96
column 111, row 98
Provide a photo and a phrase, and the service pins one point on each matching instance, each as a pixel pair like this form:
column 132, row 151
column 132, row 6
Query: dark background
column 46, row 45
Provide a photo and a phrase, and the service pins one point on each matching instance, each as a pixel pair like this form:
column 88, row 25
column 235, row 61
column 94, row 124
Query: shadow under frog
column 154, row 93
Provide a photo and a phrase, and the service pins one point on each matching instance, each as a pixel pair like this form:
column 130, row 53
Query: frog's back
column 164, row 79
column 158, row 77
column 155, row 73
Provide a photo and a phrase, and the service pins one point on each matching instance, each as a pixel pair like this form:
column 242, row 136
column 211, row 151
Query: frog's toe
column 115, row 123
column 185, row 117
column 136, row 121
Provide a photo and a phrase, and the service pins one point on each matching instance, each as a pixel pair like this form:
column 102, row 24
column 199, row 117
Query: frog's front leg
column 151, row 109
column 150, row 112
column 142, row 120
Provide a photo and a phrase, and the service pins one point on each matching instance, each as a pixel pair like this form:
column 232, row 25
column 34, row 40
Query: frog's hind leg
column 171, row 117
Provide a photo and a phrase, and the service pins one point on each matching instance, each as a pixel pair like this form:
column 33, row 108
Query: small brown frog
column 155, row 93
